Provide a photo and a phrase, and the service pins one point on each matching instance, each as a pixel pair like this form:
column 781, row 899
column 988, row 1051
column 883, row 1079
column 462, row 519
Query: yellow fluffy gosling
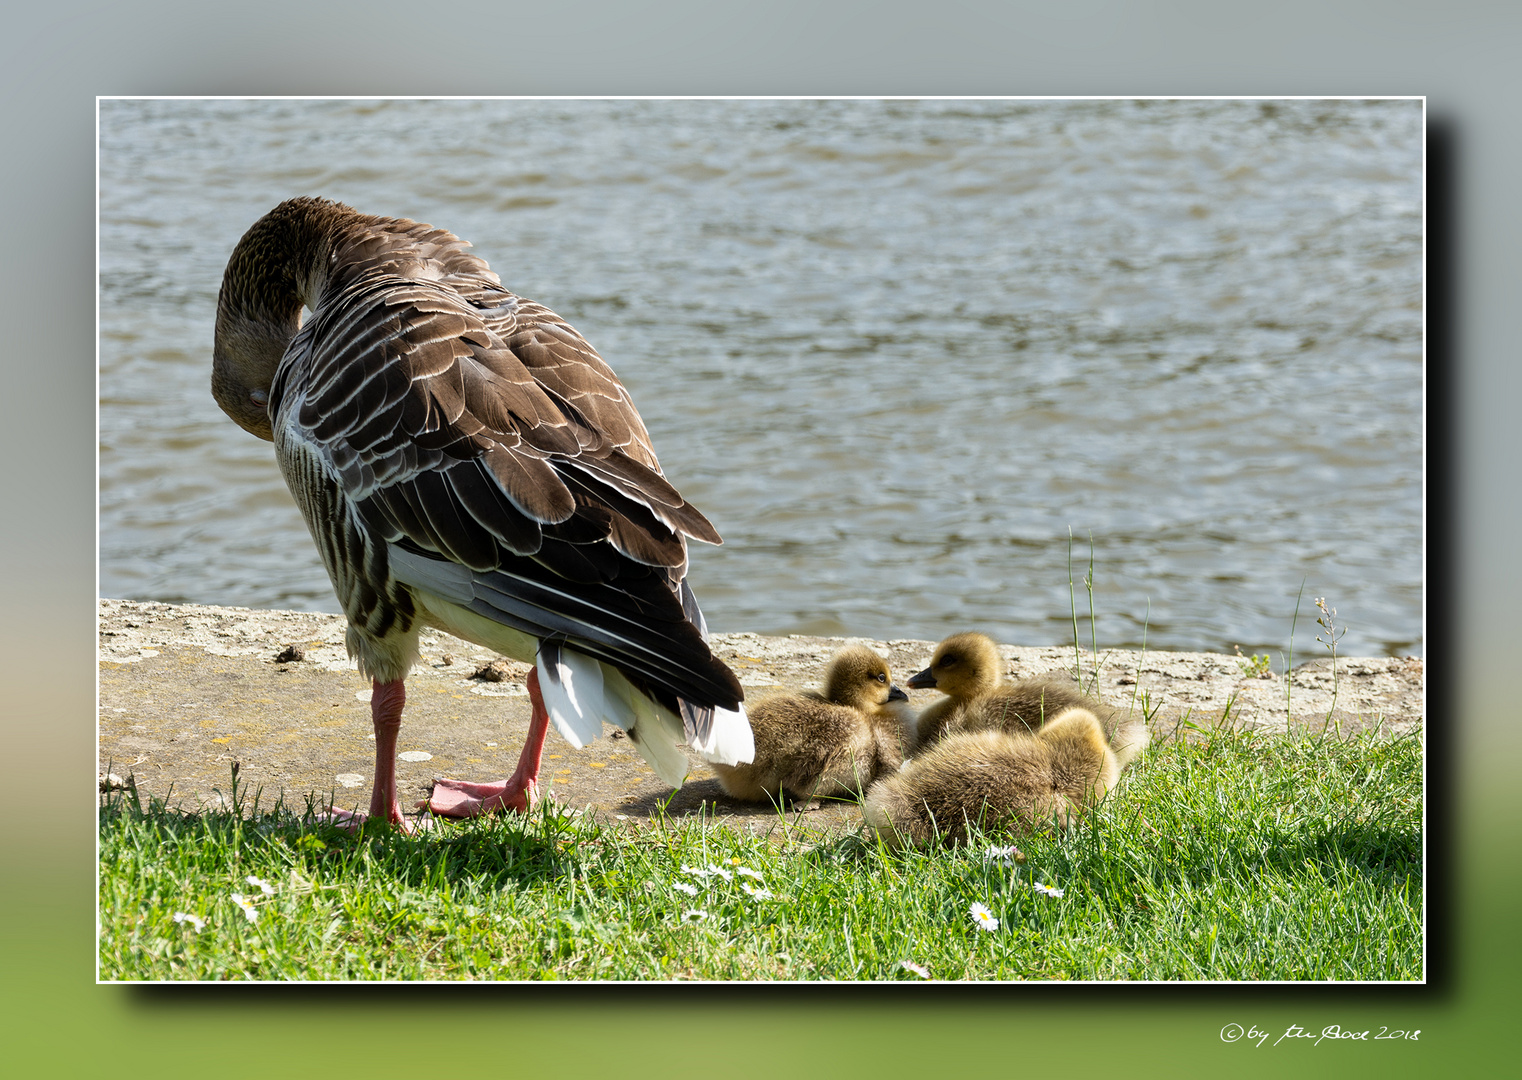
column 995, row 781
column 968, row 669
column 833, row 743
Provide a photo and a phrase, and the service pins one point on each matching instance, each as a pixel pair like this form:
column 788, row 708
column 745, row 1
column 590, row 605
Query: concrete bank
column 186, row 690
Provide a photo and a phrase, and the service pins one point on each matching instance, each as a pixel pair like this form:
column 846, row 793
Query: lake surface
column 908, row 356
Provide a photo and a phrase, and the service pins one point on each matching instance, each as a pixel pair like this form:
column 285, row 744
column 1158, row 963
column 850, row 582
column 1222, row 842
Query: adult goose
column 466, row 461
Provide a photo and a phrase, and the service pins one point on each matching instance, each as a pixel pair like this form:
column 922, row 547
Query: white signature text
column 1252, row 1033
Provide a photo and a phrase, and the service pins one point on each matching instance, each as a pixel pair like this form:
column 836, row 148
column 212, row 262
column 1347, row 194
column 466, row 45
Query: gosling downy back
column 833, row 743
column 995, row 781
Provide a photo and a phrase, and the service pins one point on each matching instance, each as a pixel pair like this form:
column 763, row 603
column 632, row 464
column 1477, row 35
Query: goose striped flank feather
column 465, row 460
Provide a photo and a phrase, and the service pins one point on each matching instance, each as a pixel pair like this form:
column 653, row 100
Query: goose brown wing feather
column 533, row 472
column 564, row 362
column 453, row 400
column 639, row 627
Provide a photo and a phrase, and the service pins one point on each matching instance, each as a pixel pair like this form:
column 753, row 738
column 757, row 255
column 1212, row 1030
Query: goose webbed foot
column 519, row 792
column 461, row 798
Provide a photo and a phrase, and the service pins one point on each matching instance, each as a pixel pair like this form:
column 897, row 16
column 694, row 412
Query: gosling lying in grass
column 996, row 782
column 968, row 669
column 833, row 743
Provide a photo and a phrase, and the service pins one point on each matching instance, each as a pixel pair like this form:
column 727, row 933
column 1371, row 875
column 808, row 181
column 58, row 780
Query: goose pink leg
column 386, row 701
column 519, row 792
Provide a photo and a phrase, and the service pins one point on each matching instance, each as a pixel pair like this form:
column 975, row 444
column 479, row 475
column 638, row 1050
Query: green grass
column 1233, row 855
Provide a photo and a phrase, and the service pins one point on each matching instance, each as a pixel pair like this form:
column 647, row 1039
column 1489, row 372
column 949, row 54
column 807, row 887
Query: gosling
column 968, row 669
column 829, row 744
column 996, row 782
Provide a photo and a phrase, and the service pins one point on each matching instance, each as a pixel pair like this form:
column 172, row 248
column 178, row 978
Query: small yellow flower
column 982, row 918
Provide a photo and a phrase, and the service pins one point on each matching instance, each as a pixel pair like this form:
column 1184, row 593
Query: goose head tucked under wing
column 464, row 459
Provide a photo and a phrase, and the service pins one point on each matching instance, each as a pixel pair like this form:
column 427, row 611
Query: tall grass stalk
column 1289, row 661
column 1088, row 584
column 1136, row 680
column 1330, row 635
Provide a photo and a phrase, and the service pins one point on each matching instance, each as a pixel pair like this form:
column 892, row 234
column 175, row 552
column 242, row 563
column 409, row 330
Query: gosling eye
column 260, row 398
column 880, row 677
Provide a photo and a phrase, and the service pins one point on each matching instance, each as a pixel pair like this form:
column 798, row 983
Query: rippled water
column 898, row 352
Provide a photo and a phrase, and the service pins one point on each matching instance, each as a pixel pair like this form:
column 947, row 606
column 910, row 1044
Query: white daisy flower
column 1005, row 856
column 918, row 969
column 720, row 872
column 694, row 915
column 1045, row 890
column 682, row 886
column 757, row 893
column 250, row 912
column 185, row 916
column 748, row 872
column 263, row 886
column 982, row 918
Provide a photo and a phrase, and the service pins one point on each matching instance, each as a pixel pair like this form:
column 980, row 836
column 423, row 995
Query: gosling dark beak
column 921, row 681
column 895, row 694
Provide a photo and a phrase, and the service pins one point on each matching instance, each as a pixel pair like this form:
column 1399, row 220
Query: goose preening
column 466, row 461
column 996, row 782
column 833, row 742
column 968, row 669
